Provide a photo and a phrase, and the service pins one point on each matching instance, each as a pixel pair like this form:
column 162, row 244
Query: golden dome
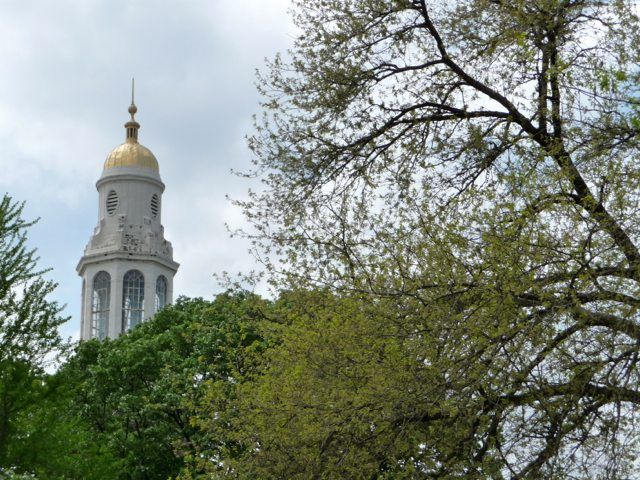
column 131, row 154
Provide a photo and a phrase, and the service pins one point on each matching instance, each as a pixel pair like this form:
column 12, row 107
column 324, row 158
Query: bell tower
column 127, row 268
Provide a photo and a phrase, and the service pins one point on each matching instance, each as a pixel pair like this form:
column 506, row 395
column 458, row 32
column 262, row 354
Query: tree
column 335, row 387
column 470, row 168
column 28, row 321
column 130, row 393
column 228, row 348
column 56, row 441
column 135, row 404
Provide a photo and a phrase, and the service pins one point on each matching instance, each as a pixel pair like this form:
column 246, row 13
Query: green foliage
column 125, row 408
column 10, row 474
column 344, row 397
column 28, row 321
column 464, row 176
column 28, row 328
column 228, row 354
column 54, row 439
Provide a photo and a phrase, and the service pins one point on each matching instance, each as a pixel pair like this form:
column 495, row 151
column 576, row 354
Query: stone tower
column 127, row 268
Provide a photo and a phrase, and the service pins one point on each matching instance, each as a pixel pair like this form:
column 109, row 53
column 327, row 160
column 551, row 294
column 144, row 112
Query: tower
column 127, row 268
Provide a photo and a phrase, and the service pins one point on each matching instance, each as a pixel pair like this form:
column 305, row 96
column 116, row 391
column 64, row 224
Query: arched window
column 101, row 296
column 132, row 299
column 161, row 292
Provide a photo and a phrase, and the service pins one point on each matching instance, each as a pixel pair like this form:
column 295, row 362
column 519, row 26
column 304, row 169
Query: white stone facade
column 129, row 237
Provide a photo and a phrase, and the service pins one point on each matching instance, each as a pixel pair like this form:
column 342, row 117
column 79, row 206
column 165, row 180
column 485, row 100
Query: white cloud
column 63, row 101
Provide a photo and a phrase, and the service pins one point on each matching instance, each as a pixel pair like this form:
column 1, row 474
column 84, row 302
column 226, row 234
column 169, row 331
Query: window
column 132, row 299
column 112, row 202
column 161, row 293
column 101, row 296
column 155, row 205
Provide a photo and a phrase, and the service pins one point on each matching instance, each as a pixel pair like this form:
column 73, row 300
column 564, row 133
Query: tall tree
column 472, row 166
column 28, row 320
column 136, row 407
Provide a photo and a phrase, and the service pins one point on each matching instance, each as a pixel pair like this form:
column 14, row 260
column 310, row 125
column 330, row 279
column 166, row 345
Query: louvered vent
column 112, row 202
column 155, row 205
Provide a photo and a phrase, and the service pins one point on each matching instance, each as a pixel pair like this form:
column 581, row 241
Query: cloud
column 63, row 104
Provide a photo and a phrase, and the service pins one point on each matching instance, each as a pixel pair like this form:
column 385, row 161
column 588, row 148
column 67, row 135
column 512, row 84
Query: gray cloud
column 63, row 99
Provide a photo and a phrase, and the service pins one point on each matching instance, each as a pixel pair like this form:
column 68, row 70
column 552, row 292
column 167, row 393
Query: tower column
column 129, row 234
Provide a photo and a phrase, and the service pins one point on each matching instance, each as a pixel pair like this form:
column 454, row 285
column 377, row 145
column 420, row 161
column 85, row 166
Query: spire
column 132, row 126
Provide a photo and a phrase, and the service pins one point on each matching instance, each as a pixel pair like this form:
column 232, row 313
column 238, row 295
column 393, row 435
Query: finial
column 132, row 126
column 132, row 108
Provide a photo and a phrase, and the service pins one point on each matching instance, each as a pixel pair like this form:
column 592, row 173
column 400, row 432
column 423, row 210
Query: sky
column 66, row 69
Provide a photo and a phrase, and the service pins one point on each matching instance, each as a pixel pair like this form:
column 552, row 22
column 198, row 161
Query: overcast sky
column 64, row 92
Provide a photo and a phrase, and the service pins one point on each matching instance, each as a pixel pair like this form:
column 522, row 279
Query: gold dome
column 131, row 154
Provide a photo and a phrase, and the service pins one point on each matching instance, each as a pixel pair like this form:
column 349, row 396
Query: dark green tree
column 54, row 440
column 135, row 402
column 470, row 168
column 29, row 323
